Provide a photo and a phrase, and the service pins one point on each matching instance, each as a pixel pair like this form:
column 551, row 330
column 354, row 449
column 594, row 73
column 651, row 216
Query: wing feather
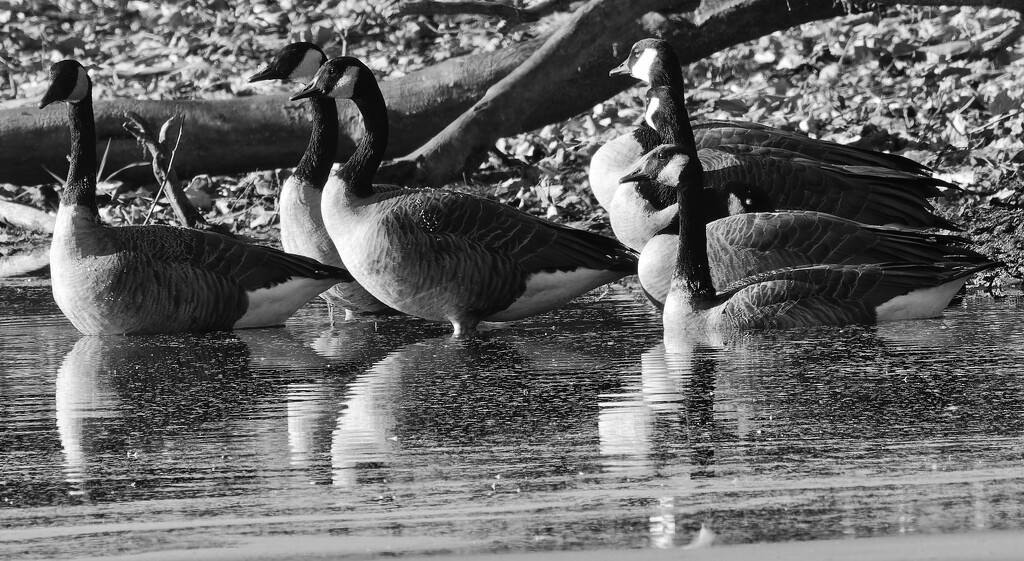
column 250, row 266
column 720, row 133
column 748, row 244
column 490, row 228
column 873, row 196
column 830, row 294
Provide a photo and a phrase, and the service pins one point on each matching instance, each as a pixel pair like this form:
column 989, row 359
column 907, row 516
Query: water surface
column 574, row 430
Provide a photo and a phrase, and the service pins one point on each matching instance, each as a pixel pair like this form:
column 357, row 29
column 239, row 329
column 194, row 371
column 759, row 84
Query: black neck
column 692, row 265
column 80, row 188
column 673, row 124
column 315, row 166
column 359, row 170
column 667, row 72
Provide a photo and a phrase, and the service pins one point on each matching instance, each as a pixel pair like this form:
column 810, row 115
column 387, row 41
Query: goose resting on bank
column 789, row 171
column 798, row 296
column 755, row 182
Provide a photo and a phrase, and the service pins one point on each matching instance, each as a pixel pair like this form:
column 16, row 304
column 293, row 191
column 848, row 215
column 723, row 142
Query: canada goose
column 654, row 62
column 804, row 295
column 158, row 279
column 302, row 226
column 443, row 255
column 743, row 245
column 790, row 171
column 752, row 178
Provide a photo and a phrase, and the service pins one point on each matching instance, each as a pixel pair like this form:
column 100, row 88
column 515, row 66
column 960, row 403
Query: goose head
column 648, row 58
column 295, row 62
column 342, row 77
column 69, row 82
column 664, row 164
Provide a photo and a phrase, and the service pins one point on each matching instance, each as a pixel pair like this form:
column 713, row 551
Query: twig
column 163, row 159
column 165, row 177
column 7, row 75
column 1004, row 40
column 996, row 120
column 476, row 8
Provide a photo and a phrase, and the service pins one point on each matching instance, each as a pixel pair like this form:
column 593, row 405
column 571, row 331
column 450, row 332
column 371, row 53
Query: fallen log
column 267, row 132
column 26, row 217
column 247, row 133
column 24, row 263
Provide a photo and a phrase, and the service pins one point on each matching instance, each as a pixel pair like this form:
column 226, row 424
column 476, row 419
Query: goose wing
column 870, row 195
column 489, row 230
column 748, row 244
column 248, row 266
column 480, row 255
column 830, row 294
column 718, row 133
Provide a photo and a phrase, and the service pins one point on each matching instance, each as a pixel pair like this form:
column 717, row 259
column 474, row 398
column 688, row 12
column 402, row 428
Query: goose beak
column 634, row 175
column 309, row 91
column 49, row 97
column 262, row 75
column 620, row 70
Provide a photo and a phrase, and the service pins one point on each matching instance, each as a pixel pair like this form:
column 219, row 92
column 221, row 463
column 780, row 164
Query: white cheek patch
column 671, row 173
column 653, row 104
column 306, row 69
column 346, row 85
column 642, row 67
column 81, row 86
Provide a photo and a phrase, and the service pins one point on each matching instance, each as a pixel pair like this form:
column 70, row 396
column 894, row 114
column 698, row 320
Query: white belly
column 657, row 265
column 921, row 303
column 272, row 306
column 547, row 291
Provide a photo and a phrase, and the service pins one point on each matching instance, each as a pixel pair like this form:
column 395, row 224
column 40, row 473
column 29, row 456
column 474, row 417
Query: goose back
column 748, row 244
column 832, row 295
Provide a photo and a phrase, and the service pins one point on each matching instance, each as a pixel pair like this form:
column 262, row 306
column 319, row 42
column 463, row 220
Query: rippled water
column 575, row 430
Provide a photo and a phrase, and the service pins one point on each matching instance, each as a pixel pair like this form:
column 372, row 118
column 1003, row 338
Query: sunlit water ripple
column 572, row 430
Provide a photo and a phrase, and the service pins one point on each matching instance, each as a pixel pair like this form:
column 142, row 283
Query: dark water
column 574, row 430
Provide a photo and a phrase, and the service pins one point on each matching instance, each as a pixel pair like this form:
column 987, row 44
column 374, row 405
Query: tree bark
column 503, row 110
column 266, row 132
column 248, row 133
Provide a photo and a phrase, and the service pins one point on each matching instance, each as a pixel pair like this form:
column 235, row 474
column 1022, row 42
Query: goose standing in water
column 302, row 226
column 797, row 296
column 159, row 279
column 443, row 255
column 787, row 170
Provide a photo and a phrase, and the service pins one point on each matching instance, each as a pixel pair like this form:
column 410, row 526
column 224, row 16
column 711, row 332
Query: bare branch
column 500, row 10
column 436, row 8
column 163, row 158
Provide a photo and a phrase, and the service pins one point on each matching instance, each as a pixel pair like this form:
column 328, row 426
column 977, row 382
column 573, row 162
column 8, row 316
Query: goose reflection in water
column 119, row 399
column 313, row 405
column 661, row 416
column 505, row 401
column 807, row 413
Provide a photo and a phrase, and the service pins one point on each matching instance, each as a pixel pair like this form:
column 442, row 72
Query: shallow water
column 575, row 430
